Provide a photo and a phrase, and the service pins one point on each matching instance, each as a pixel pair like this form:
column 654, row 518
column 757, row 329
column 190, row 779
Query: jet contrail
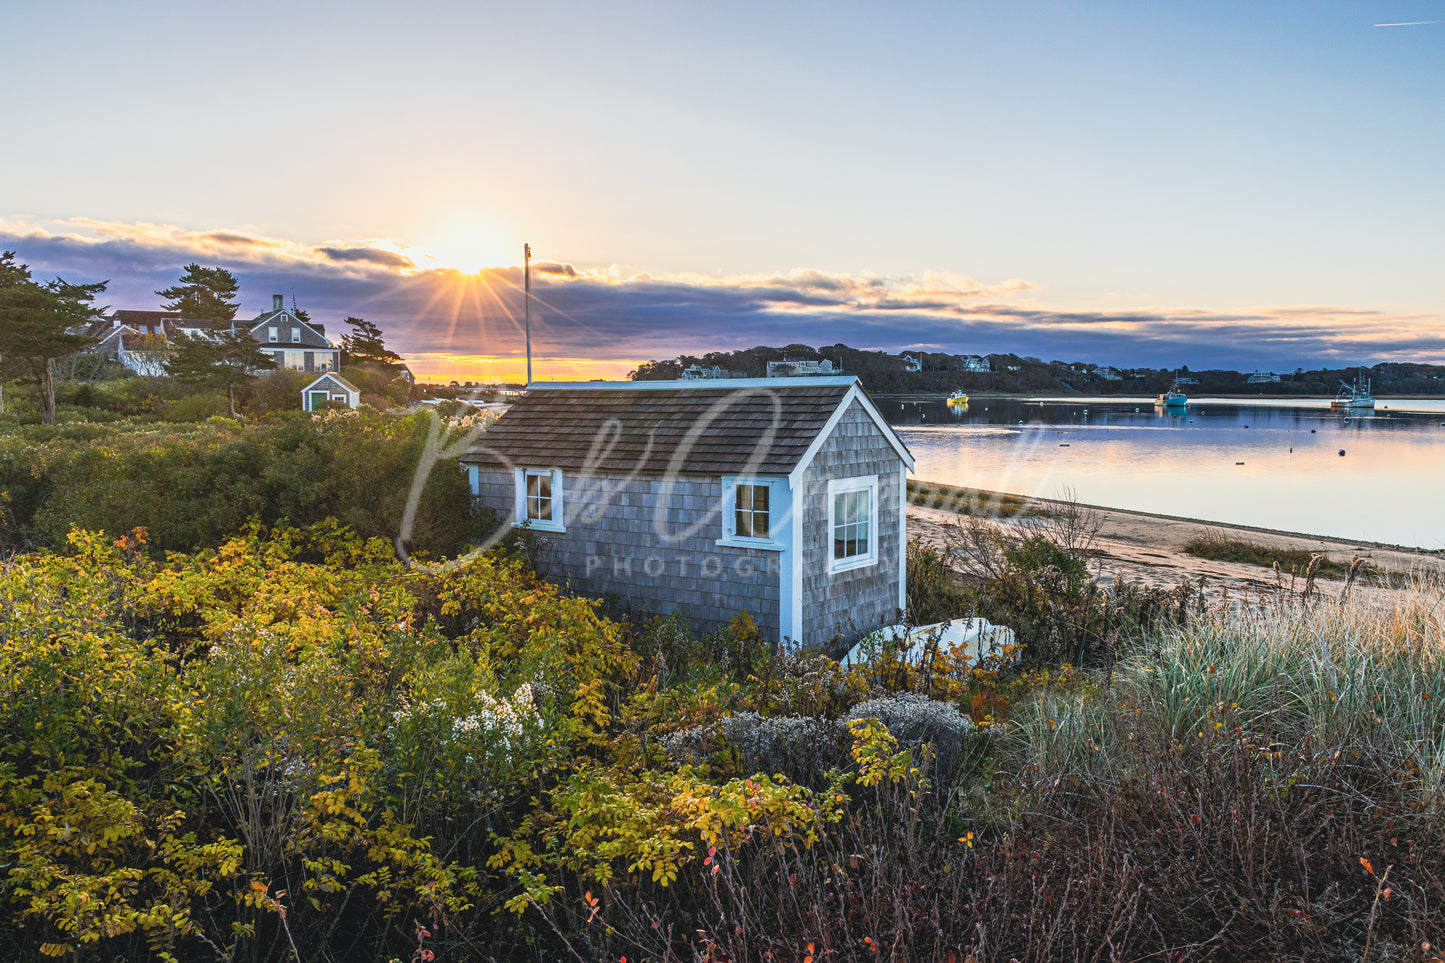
column 1409, row 23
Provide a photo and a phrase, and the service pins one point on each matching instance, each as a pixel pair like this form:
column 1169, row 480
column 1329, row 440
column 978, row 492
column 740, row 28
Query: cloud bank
column 601, row 314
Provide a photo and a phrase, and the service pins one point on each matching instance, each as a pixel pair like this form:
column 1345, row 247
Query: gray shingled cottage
column 781, row 497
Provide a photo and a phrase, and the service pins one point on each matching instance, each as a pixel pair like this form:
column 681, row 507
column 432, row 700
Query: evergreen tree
column 227, row 359
column 204, row 294
column 365, row 346
column 40, row 323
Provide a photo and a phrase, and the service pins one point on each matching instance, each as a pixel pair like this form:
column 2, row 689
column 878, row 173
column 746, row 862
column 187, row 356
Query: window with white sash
column 852, row 522
column 539, row 499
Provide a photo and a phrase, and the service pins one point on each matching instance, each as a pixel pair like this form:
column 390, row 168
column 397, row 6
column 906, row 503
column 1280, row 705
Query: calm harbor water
column 1388, row 486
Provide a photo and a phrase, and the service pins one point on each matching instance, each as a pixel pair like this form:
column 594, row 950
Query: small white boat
column 1356, row 396
column 975, row 638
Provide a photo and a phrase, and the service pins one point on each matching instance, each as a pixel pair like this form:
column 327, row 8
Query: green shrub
column 195, row 485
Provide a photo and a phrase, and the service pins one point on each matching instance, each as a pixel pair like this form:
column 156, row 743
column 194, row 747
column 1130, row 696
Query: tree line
column 882, row 372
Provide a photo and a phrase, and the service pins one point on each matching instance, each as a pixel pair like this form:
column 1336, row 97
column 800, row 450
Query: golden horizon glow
column 487, row 369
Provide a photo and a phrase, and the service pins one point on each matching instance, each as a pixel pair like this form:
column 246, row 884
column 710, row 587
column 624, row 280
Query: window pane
column 539, row 497
column 750, row 511
column 852, row 523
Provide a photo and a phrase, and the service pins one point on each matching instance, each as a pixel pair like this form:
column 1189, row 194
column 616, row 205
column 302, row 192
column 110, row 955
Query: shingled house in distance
column 782, row 497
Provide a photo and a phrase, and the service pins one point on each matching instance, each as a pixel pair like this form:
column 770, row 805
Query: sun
column 468, row 247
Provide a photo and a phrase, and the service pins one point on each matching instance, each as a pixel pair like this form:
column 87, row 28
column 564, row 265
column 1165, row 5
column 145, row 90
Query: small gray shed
column 782, row 497
column 329, row 387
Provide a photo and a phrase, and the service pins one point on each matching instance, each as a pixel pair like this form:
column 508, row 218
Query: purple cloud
column 580, row 313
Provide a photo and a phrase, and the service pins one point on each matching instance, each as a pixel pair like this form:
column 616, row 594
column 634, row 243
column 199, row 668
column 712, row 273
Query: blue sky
column 1167, row 183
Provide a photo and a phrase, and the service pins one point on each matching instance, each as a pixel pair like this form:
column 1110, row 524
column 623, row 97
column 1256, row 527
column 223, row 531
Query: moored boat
column 1355, row 396
column 1173, row 398
column 958, row 398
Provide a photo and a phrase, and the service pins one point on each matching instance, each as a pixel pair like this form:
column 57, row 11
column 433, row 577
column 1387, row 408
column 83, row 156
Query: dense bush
column 195, row 486
column 232, row 729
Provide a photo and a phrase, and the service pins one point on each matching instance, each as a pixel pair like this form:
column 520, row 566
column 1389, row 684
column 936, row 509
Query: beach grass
column 1219, row 547
column 972, row 501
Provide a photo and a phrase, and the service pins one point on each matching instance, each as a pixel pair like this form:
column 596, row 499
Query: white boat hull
column 975, row 638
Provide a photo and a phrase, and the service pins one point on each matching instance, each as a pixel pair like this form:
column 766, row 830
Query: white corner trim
column 790, row 587
column 839, row 486
column 903, row 540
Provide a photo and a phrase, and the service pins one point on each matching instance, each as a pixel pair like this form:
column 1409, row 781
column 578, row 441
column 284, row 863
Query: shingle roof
column 335, row 379
column 712, row 429
column 127, row 316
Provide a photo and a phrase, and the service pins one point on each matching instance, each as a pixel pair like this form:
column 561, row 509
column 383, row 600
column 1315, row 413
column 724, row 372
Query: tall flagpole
column 527, row 281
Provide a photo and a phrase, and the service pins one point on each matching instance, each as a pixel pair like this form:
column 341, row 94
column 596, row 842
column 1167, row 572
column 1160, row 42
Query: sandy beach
column 1149, row 550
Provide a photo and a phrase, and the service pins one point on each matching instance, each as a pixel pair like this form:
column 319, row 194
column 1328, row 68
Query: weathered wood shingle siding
column 655, row 547
column 856, row 601
column 284, row 325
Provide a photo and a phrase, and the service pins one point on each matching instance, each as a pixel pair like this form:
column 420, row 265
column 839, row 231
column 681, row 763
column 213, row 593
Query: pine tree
column 40, row 323
column 203, row 294
column 365, row 346
column 227, row 359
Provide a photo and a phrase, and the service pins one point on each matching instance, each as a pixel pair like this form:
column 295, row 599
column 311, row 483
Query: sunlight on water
column 1129, row 455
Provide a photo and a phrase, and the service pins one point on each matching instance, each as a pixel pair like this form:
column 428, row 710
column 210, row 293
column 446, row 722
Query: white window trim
column 778, row 499
column 295, row 335
column 272, row 334
column 559, row 516
column 838, row 486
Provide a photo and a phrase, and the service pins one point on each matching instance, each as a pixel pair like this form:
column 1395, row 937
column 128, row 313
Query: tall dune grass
column 1361, row 683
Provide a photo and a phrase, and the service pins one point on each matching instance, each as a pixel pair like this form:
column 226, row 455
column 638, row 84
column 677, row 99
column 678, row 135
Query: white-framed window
column 753, row 511
column 272, row 334
column 294, row 360
column 852, row 522
column 295, row 335
column 539, row 499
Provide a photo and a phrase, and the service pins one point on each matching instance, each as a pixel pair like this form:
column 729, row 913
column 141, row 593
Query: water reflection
column 1130, row 454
